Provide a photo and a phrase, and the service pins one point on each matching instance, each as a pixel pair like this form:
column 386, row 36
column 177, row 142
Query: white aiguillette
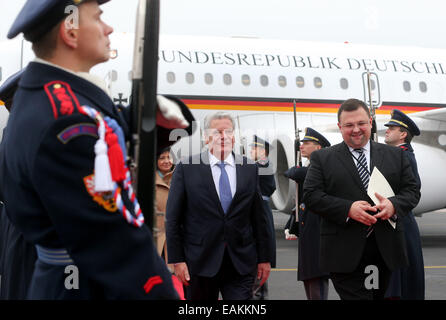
column 378, row 183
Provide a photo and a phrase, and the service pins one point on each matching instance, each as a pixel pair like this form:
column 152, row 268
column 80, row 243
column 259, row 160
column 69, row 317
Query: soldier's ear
column 68, row 35
column 403, row 137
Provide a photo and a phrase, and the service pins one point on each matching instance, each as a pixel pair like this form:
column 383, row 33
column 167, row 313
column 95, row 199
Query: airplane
column 257, row 80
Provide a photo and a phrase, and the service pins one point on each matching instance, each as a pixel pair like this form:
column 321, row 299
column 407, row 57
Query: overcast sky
column 396, row 22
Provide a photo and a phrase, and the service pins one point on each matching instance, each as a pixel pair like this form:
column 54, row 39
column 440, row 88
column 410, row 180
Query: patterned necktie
column 363, row 168
column 225, row 188
column 365, row 177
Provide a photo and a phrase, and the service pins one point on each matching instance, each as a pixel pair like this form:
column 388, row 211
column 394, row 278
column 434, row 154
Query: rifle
column 374, row 135
column 241, row 139
column 297, row 156
column 142, row 151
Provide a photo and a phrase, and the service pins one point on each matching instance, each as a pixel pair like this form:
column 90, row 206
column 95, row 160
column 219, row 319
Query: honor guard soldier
column 308, row 271
column 407, row 283
column 259, row 152
column 65, row 184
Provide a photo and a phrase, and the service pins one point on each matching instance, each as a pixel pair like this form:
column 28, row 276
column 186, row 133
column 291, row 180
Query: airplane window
column 282, row 81
column 300, row 82
column 171, row 77
column 423, row 86
column 318, row 82
column 190, row 78
column 246, row 80
column 208, row 78
column 406, row 86
column 344, row 83
column 264, row 80
column 227, row 79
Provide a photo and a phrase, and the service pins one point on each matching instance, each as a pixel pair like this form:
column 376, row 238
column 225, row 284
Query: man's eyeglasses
column 361, row 125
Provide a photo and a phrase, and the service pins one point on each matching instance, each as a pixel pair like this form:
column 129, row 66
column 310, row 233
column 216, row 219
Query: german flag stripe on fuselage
column 286, row 105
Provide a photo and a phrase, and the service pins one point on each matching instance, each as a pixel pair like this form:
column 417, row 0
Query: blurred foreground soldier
column 259, row 153
column 217, row 229
column 17, row 256
column 308, row 271
column 359, row 247
column 407, row 283
column 64, row 180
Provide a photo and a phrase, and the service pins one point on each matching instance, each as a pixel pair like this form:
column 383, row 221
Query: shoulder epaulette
column 62, row 98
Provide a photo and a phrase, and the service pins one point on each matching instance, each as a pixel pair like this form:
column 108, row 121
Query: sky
column 388, row 22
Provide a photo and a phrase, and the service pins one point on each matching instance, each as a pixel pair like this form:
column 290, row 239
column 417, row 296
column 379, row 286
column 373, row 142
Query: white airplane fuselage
column 256, row 81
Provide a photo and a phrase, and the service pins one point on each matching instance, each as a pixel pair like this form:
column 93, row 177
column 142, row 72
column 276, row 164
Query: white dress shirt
column 356, row 156
column 230, row 170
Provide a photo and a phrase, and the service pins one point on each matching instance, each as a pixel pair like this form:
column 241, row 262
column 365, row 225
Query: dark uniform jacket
column 267, row 187
column 46, row 162
column 409, row 283
column 333, row 184
column 413, row 162
column 198, row 231
column 309, row 233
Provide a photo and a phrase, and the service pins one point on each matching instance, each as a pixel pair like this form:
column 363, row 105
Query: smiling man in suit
column 217, row 229
column 356, row 238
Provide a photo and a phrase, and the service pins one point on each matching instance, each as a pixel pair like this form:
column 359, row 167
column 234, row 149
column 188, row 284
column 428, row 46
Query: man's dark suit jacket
column 333, row 184
column 197, row 229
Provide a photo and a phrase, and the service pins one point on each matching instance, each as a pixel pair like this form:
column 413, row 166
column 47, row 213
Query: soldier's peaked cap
column 259, row 142
column 37, row 17
column 399, row 119
column 313, row 135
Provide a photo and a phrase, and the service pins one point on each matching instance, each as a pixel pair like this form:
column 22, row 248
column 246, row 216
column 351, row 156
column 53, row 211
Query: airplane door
column 375, row 90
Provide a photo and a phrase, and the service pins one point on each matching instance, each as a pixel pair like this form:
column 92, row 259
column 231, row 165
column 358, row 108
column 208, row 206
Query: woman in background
column 163, row 175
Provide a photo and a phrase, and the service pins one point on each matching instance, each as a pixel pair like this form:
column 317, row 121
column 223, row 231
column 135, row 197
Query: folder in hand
column 379, row 184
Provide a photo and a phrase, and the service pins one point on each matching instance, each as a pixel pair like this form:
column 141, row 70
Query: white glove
column 289, row 236
column 169, row 115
